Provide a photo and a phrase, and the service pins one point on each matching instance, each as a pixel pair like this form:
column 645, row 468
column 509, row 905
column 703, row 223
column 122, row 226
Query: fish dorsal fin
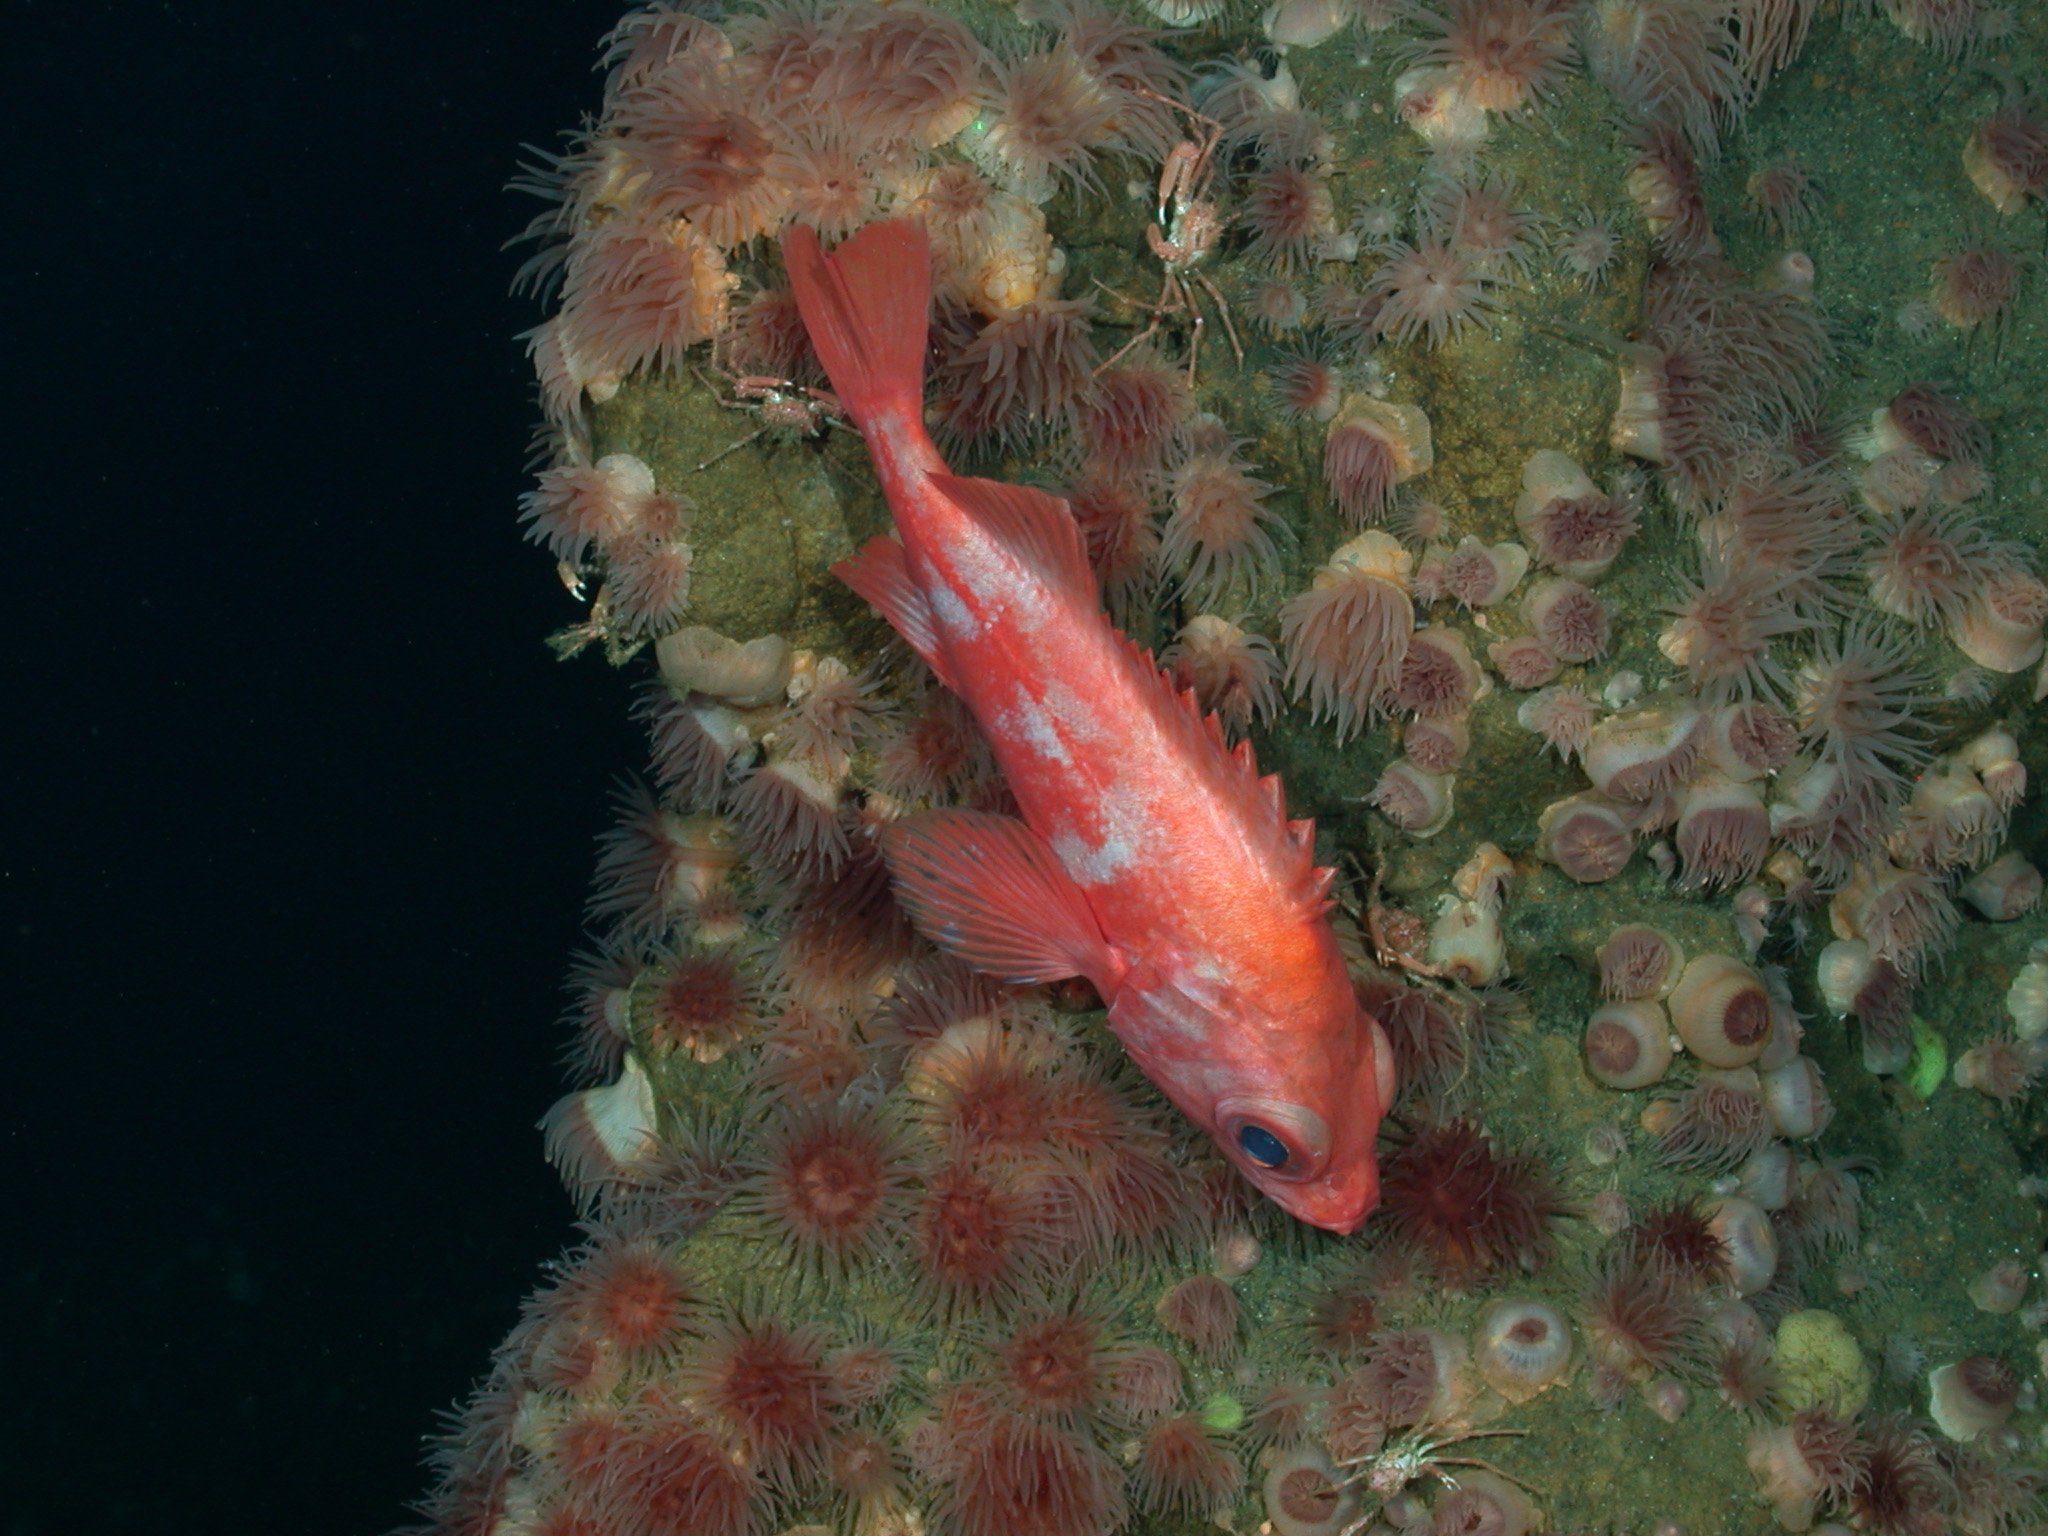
column 1033, row 525
column 1290, row 845
column 989, row 890
column 880, row 572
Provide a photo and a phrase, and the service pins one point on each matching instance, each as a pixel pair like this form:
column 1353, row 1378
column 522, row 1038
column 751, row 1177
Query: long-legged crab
column 782, row 404
column 1185, row 230
column 1414, row 1455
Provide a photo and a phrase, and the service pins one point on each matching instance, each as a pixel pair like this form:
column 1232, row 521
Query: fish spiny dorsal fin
column 1033, row 525
column 1290, row 844
column 1320, row 879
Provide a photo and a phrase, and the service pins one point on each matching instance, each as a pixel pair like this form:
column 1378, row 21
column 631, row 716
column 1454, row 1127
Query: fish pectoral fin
column 1151, row 1008
column 988, row 889
column 880, row 572
column 1035, row 526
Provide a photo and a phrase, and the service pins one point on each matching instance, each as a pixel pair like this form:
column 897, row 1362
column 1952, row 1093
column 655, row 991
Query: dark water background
column 298, row 806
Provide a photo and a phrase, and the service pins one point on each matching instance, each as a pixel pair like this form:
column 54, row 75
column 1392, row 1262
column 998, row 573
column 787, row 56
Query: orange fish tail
column 866, row 307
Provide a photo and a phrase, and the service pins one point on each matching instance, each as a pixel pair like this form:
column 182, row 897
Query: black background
column 299, row 808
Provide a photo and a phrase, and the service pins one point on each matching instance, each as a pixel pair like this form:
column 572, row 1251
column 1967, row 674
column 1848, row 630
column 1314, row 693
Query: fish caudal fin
column 866, row 306
column 880, row 572
column 988, row 889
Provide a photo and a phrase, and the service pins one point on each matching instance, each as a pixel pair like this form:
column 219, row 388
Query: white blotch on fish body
column 1029, row 722
column 953, row 615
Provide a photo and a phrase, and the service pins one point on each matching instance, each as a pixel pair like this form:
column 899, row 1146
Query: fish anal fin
column 988, row 889
column 880, row 572
column 1036, row 526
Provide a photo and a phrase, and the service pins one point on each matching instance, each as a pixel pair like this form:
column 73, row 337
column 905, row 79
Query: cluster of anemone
column 768, row 1061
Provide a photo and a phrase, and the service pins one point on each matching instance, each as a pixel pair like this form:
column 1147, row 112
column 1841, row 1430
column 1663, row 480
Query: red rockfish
column 1151, row 858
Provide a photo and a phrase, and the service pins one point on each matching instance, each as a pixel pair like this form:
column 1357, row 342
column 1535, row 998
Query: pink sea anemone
column 1203, row 1312
column 1047, row 119
column 1185, row 1468
column 1290, row 213
column 1588, row 250
column 1022, row 377
column 786, row 816
column 1137, row 414
column 1925, row 564
column 636, row 294
column 1563, row 717
column 1372, row 447
column 1670, row 62
column 1782, row 195
column 1478, row 214
column 829, row 176
column 763, row 1380
column 1588, row 837
column 1474, row 1206
column 1716, row 367
column 1501, row 55
column 1862, row 702
column 767, row 338
column 1714, row 1123
column 829, row 1186
column 1233, row 674
column 1219, row 530
column 1950, row 27
column 901, row 75
column 1430, row 291
column 1568, row 522
column 1723, row 833
column 1976, row 285
column 1308, row 385
column 1438, row 676
column 1346, row 637
column 1664, row 183
column 1725, row 626
column 1523, row 662
column 707, row 151
column 1937, row 424
column 1480, row 575
column 1640, row 1319
column 1570, row 621
column 2007, row 155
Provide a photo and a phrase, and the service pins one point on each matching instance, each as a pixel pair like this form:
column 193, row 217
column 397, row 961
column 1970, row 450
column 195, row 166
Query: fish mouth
column 1341, row 1210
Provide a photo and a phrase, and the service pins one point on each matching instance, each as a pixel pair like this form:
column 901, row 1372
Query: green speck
column 1930, row 1060
column 1222, row 1414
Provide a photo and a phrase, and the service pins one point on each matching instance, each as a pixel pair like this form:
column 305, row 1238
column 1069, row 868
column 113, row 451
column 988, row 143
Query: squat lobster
column 1185, row 230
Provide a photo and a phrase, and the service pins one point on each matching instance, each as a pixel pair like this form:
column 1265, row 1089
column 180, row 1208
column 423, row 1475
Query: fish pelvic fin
column 880, row 572
column 988, row 889
column 1034, row 525
column 866, row 306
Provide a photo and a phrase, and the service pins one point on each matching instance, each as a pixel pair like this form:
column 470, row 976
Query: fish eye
column 1262, row 1146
